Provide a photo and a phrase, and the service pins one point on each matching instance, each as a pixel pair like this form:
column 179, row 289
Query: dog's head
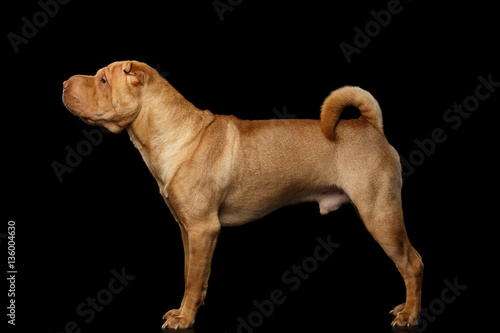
column 112, row 97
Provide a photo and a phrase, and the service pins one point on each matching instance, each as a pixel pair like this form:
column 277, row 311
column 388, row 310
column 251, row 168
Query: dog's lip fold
column 89, row 121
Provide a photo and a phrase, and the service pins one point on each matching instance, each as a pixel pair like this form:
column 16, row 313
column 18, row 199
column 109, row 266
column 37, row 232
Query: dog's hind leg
column 378, row 203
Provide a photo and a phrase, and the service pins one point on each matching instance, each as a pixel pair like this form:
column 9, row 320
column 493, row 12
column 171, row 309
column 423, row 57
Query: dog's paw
column 171, row 313
column 178, row 322
column 405, row 318
column 398, row 309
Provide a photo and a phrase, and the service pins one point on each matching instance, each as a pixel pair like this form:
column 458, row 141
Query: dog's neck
column 164, row 127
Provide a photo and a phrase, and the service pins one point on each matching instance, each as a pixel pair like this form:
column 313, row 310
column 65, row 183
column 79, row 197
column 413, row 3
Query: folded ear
column 136, row 73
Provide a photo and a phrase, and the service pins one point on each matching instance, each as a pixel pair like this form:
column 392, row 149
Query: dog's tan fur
column 215, row 170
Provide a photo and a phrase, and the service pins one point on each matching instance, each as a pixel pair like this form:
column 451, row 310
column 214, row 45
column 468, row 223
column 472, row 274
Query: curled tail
column 349, row 96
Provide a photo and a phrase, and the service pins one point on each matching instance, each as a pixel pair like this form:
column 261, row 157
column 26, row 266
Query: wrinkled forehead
column 111, row 70
column 115, row 66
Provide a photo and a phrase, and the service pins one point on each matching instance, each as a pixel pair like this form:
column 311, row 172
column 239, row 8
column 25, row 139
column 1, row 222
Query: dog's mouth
column 89, row 121
column 86, row 119
column 71, row 103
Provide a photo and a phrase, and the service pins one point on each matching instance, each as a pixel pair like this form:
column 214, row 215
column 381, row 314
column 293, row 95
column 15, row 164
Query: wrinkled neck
column 166, row 123
column 164, row 114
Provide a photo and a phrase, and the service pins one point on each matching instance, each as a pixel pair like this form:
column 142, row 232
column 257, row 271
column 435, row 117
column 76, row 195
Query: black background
column 263, row 56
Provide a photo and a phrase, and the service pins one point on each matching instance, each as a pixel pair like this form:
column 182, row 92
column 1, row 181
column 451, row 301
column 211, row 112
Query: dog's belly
column 239, row 211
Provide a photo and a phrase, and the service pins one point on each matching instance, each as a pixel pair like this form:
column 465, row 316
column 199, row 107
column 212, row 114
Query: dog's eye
column 103, row 80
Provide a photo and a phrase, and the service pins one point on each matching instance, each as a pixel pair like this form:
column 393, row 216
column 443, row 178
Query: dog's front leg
column 202, row 238
column 185, row 242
